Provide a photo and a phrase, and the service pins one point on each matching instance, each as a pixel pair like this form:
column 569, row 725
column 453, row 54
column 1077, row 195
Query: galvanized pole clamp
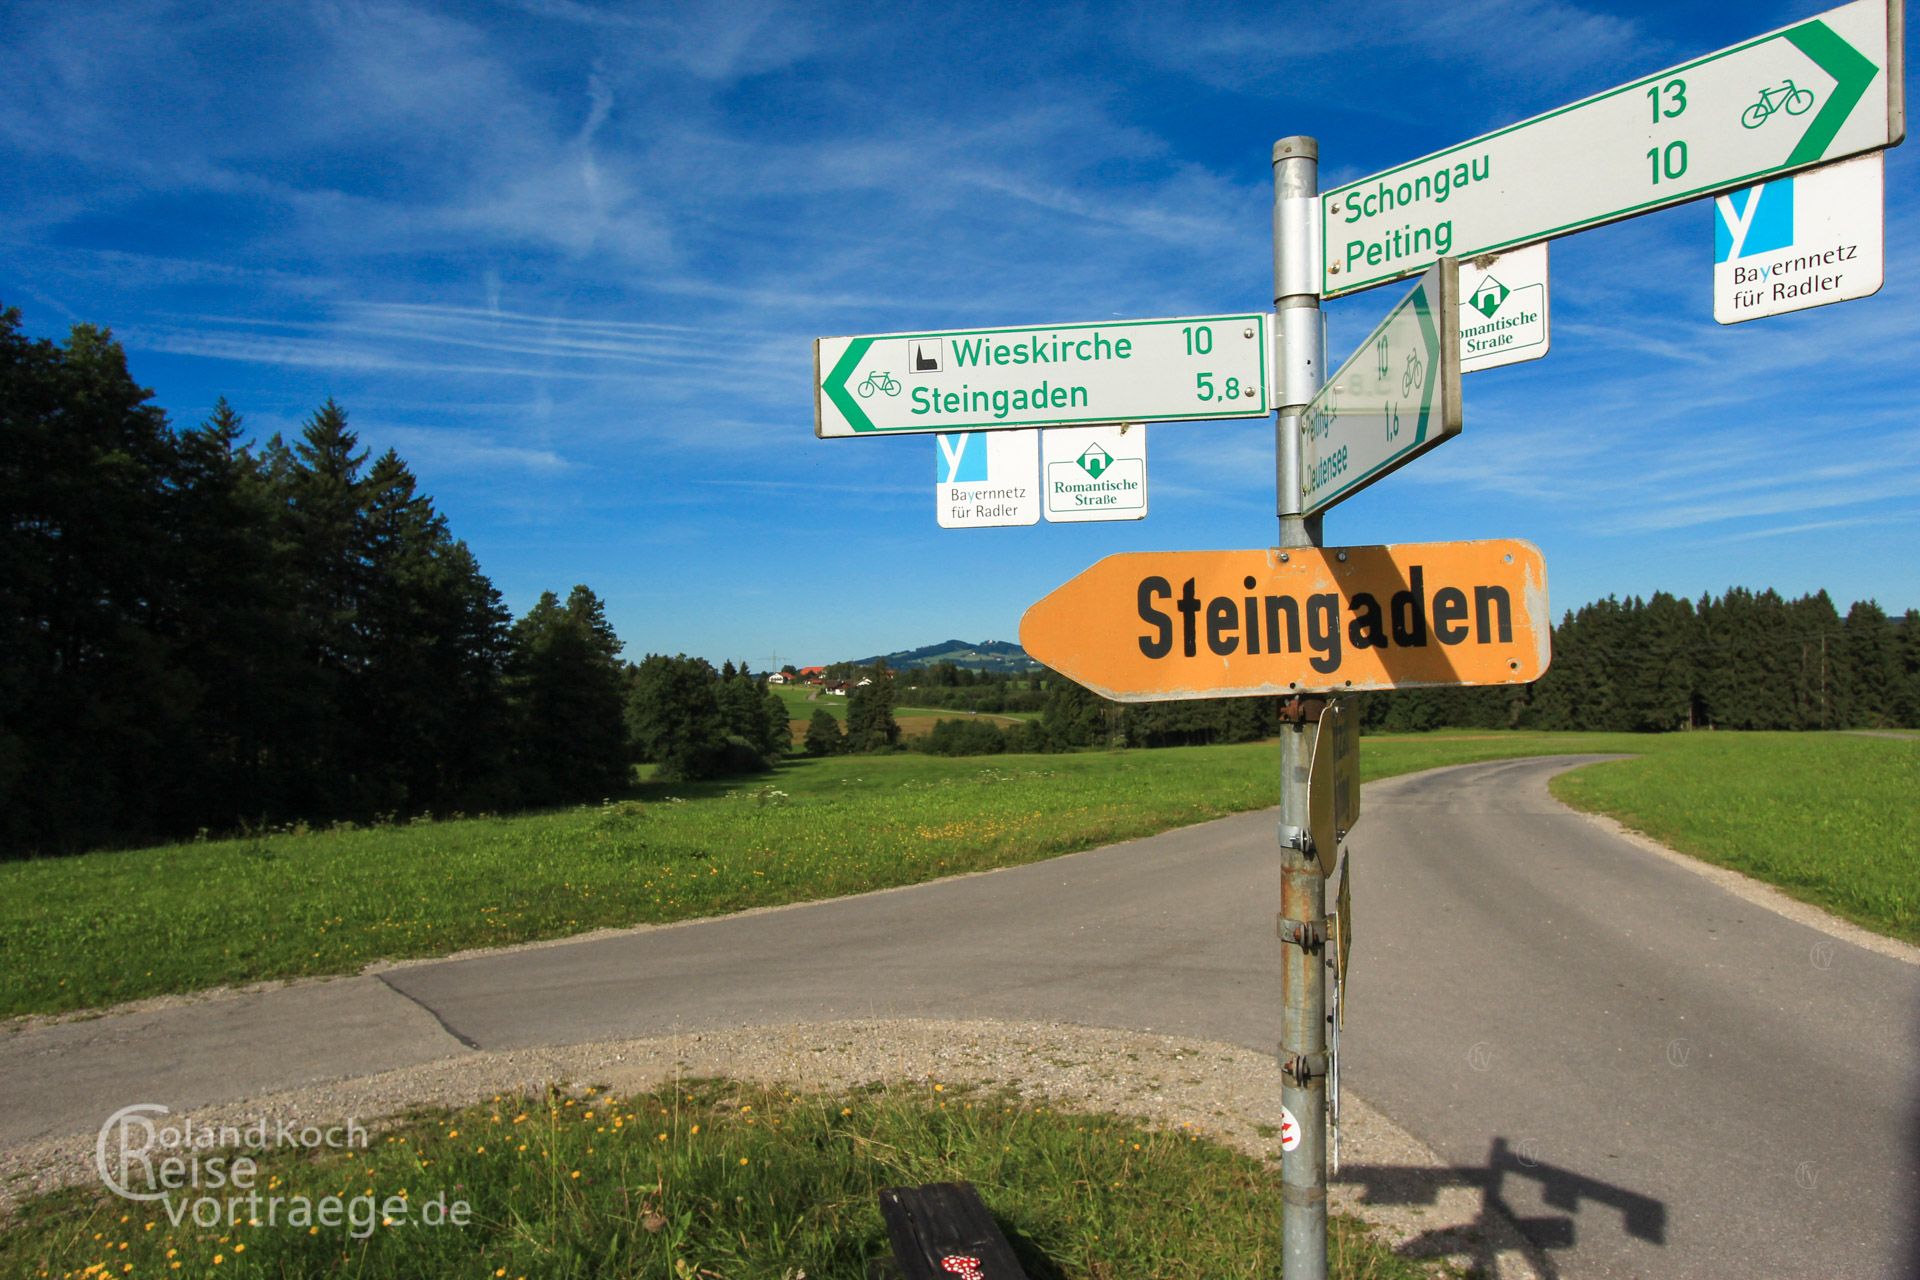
column 1304, row 1068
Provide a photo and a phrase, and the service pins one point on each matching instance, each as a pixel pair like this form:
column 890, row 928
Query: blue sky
column 569, row 259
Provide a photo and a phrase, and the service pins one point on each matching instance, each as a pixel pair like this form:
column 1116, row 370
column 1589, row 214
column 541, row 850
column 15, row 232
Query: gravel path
column 1224, row 1091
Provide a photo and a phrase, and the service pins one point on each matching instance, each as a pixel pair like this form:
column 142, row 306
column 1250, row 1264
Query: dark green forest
column 1741, row 660
column 199, row 634
column 203, row 634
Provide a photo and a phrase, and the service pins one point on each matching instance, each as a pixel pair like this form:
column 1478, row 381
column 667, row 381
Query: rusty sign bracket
column 1301, row 709
column 1311, row 935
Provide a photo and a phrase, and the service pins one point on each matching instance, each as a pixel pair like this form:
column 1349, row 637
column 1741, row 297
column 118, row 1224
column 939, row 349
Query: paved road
column 1683, row 1083
column 1655, row 1076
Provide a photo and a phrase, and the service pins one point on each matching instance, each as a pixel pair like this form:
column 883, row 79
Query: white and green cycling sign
column 1396, row 397
column 1191, row 367
column 1803, row 95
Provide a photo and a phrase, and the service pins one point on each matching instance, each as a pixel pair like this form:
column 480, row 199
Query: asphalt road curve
column 1656, row 1076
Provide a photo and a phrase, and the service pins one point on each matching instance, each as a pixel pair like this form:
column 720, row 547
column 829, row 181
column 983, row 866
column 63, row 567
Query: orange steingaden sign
column 1161, row 625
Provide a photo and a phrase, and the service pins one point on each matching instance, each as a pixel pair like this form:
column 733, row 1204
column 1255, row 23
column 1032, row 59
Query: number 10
column 1668, row 162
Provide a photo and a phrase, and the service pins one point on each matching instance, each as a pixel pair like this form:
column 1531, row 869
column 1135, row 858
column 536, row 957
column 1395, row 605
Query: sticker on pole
column 1289, row 1130
column 1095, row 473
column 1503, row 309
column 986, row 479
column 1800, row 242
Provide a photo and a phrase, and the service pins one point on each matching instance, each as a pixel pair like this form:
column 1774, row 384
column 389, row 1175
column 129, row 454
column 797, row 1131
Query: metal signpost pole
column 1303, row 893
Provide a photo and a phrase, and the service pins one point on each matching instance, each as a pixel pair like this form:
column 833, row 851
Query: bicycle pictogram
column 877, row 381
column 1785, row 96
column 1415, row 374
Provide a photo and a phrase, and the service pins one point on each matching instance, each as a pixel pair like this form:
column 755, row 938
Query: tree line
column 202, row 634
column 1742, row 660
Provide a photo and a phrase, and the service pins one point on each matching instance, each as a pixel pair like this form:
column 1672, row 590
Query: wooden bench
column 942, row 1231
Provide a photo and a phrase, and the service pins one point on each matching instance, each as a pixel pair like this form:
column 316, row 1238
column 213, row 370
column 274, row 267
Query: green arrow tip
column 835, row 385
column 1852, row 72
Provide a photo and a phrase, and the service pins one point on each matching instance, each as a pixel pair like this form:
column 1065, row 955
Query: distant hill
column 988, row 655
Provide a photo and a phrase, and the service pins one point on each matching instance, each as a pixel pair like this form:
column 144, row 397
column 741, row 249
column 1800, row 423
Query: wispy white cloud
column 314, row 353
column 714, row 40
column 454, row 451
column 1879, row 519
column 1635, row 480
column 809, row 485
column 1324, row 49
column 1652, row 340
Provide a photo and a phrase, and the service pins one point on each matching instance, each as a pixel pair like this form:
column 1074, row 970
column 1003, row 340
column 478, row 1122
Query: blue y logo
column 1757, row 220
column 960, row 459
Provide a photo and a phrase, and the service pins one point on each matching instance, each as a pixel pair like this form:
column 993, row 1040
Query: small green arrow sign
column 1081, row 373
column 1377, row 414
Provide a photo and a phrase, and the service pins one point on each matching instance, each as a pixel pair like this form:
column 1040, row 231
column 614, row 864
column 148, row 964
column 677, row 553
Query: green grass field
column 106, row 927
column 1832, row 818
column 912, row 719
column 799, row 707
column 709, row 1179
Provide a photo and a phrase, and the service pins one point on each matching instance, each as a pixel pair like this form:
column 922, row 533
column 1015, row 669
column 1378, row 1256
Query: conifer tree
column 567, row 688
column 870, row 722
column 823, row 734
column 674, row 717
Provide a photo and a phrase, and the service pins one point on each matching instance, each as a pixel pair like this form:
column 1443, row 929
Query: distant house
column 863, row 682
column 812, row 675
column 778, row 677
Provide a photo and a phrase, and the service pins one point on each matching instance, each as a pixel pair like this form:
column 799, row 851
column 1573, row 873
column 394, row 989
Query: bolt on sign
column 1158, row 626
column 1057, row 375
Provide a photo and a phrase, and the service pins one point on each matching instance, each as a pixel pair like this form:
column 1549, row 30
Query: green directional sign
column 1042, row 376
column 1803, row 95
column 1396, row 397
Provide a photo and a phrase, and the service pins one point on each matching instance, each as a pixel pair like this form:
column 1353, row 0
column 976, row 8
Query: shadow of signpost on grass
column 1645, row 1218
